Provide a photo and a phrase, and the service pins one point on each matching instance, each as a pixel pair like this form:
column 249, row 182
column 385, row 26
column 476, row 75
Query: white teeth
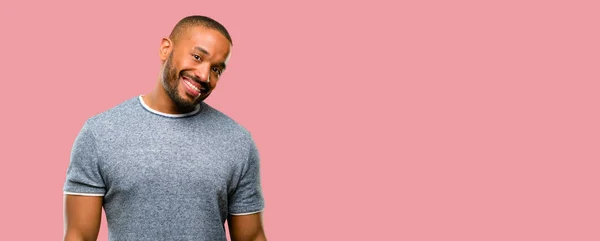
column 191, row 85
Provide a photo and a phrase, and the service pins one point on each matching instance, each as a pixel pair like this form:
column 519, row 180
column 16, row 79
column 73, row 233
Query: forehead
column 208, row 39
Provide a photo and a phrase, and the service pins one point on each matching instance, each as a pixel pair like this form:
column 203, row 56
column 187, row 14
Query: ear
column 166, row 46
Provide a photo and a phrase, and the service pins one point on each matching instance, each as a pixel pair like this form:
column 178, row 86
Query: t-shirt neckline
column 195, row 111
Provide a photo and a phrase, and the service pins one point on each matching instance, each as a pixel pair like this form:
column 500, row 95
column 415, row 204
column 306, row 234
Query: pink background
column 436, row 120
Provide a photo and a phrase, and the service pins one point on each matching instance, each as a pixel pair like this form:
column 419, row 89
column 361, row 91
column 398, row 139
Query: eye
column 197, row 57
column 217, row 70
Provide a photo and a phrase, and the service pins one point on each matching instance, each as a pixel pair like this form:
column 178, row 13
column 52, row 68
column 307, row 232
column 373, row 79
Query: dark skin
column 82, row 217
column 198, row 55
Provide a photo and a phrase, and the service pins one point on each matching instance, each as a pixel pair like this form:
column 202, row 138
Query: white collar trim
column 196, row 110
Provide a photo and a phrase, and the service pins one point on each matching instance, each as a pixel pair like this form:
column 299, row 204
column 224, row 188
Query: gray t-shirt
column 163, row 176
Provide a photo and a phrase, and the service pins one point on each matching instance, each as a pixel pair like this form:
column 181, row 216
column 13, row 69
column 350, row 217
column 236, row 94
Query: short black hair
column 198, row 20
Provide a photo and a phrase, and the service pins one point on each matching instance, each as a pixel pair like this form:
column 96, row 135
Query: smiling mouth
column 194, row 87
column 187, row 82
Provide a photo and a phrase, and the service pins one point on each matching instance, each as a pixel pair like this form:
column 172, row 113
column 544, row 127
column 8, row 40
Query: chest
column 183, row 169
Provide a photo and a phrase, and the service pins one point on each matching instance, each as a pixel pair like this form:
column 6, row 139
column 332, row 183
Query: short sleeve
column 247, row 197
column 83, row 173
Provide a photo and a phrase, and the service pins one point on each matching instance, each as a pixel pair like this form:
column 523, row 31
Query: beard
column 170, row 82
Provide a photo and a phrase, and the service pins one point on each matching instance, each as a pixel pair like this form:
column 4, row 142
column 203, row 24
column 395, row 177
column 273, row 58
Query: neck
column 159, row 100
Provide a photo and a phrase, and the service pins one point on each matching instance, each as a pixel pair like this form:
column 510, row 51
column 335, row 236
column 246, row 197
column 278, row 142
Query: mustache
column 194, row 78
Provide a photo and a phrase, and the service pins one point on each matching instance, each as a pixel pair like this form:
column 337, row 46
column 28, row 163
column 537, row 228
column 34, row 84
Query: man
column 166, row 165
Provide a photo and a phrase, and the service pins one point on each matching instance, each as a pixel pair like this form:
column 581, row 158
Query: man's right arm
column 82, row 217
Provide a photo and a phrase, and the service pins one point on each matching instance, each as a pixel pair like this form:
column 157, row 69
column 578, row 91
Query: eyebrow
column 201, row 50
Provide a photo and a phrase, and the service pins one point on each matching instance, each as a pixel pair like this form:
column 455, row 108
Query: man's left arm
column 246, row 202
column 246, row 227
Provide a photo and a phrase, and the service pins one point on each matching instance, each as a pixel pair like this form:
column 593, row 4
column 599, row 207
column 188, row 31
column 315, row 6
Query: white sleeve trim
column 240, row 214
column 85, row 194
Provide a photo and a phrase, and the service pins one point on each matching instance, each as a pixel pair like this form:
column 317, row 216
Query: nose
column 202, row 72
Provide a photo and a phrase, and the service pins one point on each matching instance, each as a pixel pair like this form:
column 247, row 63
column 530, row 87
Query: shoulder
column 225, row 123
column 113, row 115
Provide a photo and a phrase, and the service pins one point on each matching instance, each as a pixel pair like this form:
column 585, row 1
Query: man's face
column 196, row 61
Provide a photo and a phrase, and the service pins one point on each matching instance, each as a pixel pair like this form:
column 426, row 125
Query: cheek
column 213, row 84
column 184, row 63
column 177, row 66
column 175, row 72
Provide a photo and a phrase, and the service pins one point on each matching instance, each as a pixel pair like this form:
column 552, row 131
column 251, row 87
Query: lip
column 194, row 83
column 191, row 91
column 201, row 86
